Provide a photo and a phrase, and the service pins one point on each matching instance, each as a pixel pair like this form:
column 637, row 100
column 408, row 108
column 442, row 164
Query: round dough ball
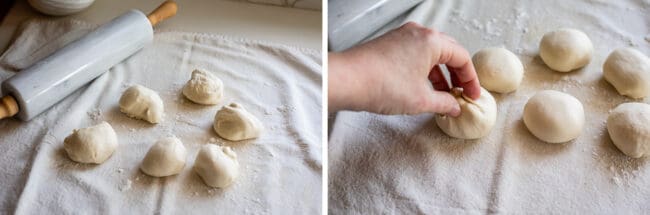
column 629, row 127
column 234, row 123
column 203, row 88
column 476, row 117
column 166, row 157
column 554, row 117
column 94, row 144
column 217, row 166
column 142, row 103
column 628, row 70
column 498, row 69
column 565, row 49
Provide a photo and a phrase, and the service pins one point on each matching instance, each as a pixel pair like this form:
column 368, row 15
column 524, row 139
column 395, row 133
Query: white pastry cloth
column 406, row 165
column 280, row 171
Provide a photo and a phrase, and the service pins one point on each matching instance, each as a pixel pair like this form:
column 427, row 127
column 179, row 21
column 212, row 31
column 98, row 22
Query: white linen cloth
column 407, row 165
column 304, row 4
column 280, row 171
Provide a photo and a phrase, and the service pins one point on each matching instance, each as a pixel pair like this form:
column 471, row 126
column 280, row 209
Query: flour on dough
column 629, row 127
column 166, row 157
column 216, row 165
column 94, row 144
column 203, row 88
column 628, row 70
column 142, row 103
column 234, row 123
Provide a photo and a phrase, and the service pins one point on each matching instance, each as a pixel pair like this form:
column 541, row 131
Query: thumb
column 443, row 103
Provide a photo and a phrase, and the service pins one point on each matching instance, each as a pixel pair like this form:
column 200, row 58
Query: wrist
column 346, row 85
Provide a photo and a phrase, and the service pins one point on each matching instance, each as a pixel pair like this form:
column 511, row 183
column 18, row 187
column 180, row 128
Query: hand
column 398, row 73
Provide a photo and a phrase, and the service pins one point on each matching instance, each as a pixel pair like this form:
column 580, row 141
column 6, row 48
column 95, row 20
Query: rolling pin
column 35, row 89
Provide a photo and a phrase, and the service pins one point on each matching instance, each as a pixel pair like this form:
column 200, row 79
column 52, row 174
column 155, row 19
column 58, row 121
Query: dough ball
column 94, row 144
column 166, row 157
column 217, row 166
column 234, row 123
column 554, row 117
column 203, row 88
column 476, row 118
column 565, row 49
column 628, row 70
column 629, row 127
column 498, row 69
column 142, row 103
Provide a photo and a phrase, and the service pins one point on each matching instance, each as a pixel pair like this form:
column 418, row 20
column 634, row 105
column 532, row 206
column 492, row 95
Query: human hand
column 398, row 73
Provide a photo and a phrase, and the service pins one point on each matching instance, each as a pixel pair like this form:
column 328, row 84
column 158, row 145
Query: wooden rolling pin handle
column 8, row 107
column 165, row 10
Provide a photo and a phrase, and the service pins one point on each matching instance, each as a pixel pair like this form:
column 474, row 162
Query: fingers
column 459, row 62
column 442, row 103
column 471, row 89
column 438, row 79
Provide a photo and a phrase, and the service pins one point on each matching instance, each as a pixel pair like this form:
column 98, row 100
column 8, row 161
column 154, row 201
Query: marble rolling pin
column 35, row 89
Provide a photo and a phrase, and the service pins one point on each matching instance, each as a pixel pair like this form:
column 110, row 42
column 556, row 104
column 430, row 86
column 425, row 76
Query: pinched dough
column 203, row 88
column 629, row 127
column 234, row 123
column 94, row 144
column 217, row 166
column 565, row 49
column 142, row 103
column 498, row 69
column 476, row 119
column 628, row 70
column 166, row 157
column 554, row 117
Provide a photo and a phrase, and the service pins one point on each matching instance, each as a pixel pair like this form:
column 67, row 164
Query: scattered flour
column 95, row 114
column 125, row 185
column 490, row 28
column 126, row 85
column 616, row 180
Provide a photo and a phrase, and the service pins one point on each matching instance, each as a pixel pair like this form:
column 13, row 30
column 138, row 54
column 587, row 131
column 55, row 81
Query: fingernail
column 455, row 111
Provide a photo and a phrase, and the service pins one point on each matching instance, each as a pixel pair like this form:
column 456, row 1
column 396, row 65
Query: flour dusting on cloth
column 407, row 165
column 280, row 172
